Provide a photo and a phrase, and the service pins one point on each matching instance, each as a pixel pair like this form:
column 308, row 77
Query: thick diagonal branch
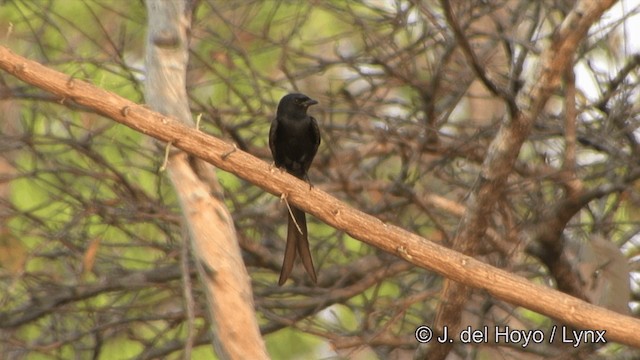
column 214, row 243
column 414, row 249
column 505, row 148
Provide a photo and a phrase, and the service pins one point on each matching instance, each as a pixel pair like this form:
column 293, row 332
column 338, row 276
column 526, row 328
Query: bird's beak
column 310, row 102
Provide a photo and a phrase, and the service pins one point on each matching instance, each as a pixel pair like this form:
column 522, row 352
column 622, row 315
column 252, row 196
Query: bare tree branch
column 410, row 247
column 505, row 148
column 212, row 234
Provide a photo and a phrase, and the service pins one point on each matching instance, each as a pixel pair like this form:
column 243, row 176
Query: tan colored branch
column 414, row 249
column 504, row 150
column 226, row 283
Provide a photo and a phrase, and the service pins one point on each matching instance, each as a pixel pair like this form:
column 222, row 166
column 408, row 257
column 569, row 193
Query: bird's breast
column 295, row 140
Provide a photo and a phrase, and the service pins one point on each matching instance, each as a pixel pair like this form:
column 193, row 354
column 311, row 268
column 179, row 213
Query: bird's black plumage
column 294, row 138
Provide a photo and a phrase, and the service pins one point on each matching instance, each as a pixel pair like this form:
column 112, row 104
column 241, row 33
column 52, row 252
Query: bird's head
column 295, row 104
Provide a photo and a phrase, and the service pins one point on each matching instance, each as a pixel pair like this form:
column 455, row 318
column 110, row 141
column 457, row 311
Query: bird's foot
column 306, row 178
column 273, row 167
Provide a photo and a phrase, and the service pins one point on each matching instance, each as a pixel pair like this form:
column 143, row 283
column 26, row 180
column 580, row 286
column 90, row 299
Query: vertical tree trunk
column 213, row 238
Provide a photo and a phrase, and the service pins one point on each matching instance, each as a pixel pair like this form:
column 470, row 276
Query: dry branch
column 234, row 324
column 414, row 249
column 504, row 149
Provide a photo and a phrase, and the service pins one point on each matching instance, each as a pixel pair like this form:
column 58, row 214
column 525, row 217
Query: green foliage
column 91, row 234
column 289, row 344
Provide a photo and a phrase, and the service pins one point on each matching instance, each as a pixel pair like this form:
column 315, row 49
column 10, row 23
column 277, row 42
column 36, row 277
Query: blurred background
column 90, row 230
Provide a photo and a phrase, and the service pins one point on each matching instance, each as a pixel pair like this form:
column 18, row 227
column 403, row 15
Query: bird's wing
column 272, row 139
column 315, row 134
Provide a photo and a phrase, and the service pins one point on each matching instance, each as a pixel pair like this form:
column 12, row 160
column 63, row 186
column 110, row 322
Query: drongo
column 294, row 138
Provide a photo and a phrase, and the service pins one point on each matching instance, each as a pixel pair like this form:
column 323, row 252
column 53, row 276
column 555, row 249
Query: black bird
column 294, row 138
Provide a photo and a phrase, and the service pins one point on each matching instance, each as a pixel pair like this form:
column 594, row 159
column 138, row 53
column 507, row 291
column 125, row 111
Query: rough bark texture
column 504, row 150
column 414, row 249
column 214, row 243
